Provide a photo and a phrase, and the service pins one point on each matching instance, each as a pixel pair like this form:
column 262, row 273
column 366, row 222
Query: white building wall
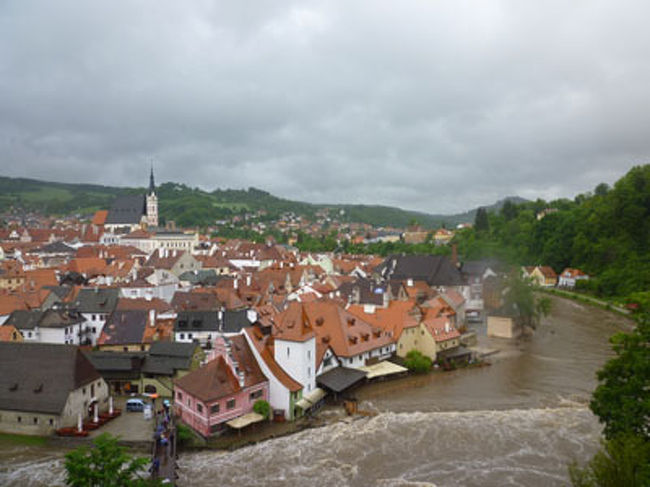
column 31, row 335
column 56, row 335
column 298, row 359
column 94, row 321
column 164, row 292
column 80, row 398
column 190, row 336
column 279, row 395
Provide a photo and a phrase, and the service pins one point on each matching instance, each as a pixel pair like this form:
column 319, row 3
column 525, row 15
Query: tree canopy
column 622, row 403
column 605, row 234
column 622, row 399
column 106, row 464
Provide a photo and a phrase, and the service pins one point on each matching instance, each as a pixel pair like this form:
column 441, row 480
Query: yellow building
column 9, row 333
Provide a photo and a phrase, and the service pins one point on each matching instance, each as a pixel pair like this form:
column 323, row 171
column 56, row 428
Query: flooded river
column 517, row 422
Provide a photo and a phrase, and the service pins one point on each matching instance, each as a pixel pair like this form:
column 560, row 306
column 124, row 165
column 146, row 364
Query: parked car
column 135, row 405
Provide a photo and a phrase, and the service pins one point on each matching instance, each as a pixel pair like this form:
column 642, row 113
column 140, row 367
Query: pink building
column 224, row 389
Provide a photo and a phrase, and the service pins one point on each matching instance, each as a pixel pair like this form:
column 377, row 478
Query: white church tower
column 152, row 203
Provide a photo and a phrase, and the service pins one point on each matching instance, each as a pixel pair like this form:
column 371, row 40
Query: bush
column 262, row 407
column 184, row 435
column 418, row 363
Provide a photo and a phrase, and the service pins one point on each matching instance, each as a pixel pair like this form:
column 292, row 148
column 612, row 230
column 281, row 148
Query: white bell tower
column 152, row 203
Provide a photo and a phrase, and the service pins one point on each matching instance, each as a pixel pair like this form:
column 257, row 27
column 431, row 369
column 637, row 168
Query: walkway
column 587, row 299
column 164, row 448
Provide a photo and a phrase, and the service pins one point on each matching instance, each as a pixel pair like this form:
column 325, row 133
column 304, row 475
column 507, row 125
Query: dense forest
column 605, row 233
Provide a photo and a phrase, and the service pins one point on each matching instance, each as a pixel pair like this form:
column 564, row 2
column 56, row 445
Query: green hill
column 605, row 233
column 195, row 207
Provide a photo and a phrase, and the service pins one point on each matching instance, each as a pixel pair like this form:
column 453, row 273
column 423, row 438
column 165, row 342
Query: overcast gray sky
column 433, row 105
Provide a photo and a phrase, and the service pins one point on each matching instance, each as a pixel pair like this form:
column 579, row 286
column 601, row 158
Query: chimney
column 368, row 309
column 152, row 317
column 251, row 315
column 454, row 255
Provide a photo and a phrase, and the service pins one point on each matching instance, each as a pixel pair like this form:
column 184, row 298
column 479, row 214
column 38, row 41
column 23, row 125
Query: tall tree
column 509, row 210
column 622, row 399
column 622, row 402
column 520, row 300
column 481, row 221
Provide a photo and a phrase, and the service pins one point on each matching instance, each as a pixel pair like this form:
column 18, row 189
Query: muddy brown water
column 518, row 422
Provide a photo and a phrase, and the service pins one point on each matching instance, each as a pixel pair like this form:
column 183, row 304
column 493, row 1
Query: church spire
column 152, row 185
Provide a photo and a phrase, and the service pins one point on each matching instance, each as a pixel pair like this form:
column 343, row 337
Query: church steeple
column 152, row 202
column 152, row 185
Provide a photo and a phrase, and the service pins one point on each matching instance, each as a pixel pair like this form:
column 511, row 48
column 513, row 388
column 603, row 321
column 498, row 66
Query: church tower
column 152, row 203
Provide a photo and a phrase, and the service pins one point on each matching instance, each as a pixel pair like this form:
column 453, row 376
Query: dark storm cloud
column 430, row 105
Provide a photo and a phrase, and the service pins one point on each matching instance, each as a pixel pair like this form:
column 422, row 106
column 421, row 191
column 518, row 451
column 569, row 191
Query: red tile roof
column 100, row 217
column 264, row 345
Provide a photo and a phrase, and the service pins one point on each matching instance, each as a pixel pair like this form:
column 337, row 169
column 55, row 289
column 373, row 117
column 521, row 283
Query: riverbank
column 256, row 433
column 584, row 298
column 438, row 390
column 517, row 422
column 8, row 439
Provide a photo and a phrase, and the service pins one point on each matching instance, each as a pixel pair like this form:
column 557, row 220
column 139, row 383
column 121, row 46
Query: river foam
column 510, row 447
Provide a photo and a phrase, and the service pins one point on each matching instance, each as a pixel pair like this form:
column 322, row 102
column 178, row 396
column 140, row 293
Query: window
column 230, row 404
column 255, row 395
column 51, row 422
column 288, row 351
column 189, row 335
column 179, row 396
column 308, row 371
column 199, row 407
column 94, row 318
column 20, row 420
column 182, row 336
column 29, row 334
column 188, row 402
column 309, row 354
column 35, row 420
column 83, row 391
column 94, row 329
column 214, row 409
